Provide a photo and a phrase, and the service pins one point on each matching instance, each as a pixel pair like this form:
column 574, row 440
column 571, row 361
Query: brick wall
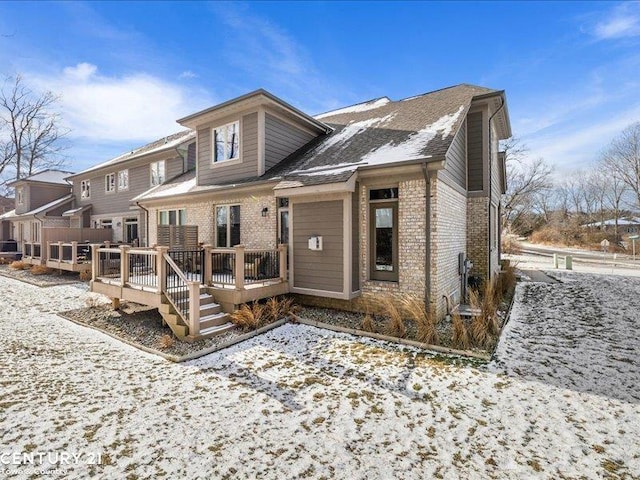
column 256, row 231
column 449, row 238
column 478, row 234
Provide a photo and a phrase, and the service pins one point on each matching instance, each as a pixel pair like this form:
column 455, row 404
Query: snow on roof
column 74, row 211
column 9, row 214
column 164, row 143
column 48, row 176
column 51, row 205
column 359, row 107
column 170, row 190
column 612, row 221
column 415, row 144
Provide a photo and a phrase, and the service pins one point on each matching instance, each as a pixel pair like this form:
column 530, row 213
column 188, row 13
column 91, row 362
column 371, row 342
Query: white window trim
column 164, row 173
column 119, row 177
column 228, row 207
column 85, row 186
column 20, row 195
column 107, row 182
column 229, row 161
column 178, row 216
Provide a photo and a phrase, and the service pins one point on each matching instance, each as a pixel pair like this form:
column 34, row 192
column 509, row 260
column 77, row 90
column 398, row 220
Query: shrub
column 249, row 318
column 367, row 324
column 395, row 325
column 484, row 325
column 94, row 300
column 460, row 338
column 276, row 308
column 510, row 245
column 85, row 275
column 166, row 341
column 416, row 309
column 41, row 270
column 19, row 265
column 507, row 280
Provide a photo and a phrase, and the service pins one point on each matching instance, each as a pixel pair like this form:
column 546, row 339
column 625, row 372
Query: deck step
column 209, row 309
column 217, row 330
column 214, row 320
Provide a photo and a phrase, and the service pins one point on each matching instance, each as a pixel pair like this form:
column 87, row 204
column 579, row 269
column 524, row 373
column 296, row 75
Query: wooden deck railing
column 73, row 253
column 238, row 267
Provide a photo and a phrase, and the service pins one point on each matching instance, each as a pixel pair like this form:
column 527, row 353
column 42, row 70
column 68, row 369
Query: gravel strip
column 57, row 278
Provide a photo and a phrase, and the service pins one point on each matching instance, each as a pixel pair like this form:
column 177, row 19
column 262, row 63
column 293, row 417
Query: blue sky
column 126, row 71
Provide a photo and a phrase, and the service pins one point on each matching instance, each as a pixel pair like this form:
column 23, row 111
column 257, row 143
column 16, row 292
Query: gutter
column 146, row 223
column 490, row 185
column 427, row 260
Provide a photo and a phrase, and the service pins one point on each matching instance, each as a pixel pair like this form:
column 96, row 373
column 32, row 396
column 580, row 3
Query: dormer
column 245, row 137
column 40, row 189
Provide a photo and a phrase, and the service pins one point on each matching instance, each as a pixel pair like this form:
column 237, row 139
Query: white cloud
column 188, row 74
column 623, row 21
column 136, row 107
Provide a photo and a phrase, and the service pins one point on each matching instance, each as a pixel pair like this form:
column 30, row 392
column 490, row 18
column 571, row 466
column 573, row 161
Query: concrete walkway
column 537, row 276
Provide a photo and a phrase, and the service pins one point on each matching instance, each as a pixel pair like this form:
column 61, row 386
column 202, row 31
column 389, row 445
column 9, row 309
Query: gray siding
column 248, row 167
column 355, row 240
column 475, row 149
column 37, row 195
column 281, row 139
column 456, row 169
column 104, row 203
column 320, row 270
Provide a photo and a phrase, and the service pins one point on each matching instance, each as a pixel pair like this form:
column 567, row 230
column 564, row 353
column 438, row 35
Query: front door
column 130, row 230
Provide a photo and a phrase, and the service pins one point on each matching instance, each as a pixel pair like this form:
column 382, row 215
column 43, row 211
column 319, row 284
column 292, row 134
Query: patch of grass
column 598, row 448
column 535, row 465
column 318, row 420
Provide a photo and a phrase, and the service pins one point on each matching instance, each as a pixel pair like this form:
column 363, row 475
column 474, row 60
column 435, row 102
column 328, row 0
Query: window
column 20, row 195
column 85, row 189
column 383, row 234
column 226, row 141
column 228, row 225
column 35, row 232
column 157, row 173
column 172, row 217
column 110, row 183
column 106, row 223
column 123, row 180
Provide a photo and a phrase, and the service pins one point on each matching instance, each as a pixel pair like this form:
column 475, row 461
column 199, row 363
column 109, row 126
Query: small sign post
column 633, row 239
column 605, row 245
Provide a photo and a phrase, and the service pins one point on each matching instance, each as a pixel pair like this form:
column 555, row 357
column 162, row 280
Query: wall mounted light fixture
column 265, row 210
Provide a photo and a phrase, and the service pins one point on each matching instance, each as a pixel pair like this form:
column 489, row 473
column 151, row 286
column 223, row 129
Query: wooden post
column 207, row 268
column 282, row 250
column 194, row 309
column 124, row 264
column 95, row 259
column 74, row 253
column 161, row 268
column 239, row 267
column 59, row 259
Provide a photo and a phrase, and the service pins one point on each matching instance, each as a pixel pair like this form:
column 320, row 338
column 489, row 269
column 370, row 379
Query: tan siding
column 475, row 148
column 281, row 139
column 248, row 167
column 456, row 168
column 38, row 195
column 174, row 167
column 355, row 241
column 321, row 270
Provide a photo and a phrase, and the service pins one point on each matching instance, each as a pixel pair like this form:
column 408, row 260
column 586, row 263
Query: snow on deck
column 302, row 402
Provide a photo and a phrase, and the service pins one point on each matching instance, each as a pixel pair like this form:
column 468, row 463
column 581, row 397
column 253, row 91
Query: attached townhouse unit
column 386, row 196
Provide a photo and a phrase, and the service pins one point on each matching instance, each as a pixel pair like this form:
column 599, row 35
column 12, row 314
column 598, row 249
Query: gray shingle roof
column 48, row 176
column 380, row 132
column 164, row 143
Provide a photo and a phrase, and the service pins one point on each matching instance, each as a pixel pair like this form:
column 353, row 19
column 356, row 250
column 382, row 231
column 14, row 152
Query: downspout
column 427, row 228
column 490, row 194
column 146, row 223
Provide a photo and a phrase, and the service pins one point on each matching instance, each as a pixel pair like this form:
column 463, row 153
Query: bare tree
column 30, row 136
column 623, row 158
column 527, row 179
column 614, row 189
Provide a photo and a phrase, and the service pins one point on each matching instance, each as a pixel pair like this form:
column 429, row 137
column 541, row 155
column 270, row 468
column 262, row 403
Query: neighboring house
column 379, row 197
column 103, row 193
column 6, row 204
column 629, row 225
column 40, row 200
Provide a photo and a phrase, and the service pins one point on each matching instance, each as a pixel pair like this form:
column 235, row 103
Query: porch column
column 161, row 268
column 282, row 251
column 59, row 259
column 124, row 264
column 239, row 267
column 74, row 253
column 208, row 267
column 194, row 308
column 95, row 259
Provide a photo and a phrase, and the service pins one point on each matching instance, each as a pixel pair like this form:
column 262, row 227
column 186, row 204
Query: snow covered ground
column 560, row 400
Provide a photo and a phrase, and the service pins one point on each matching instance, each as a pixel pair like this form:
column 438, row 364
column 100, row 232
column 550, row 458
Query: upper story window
column 226, row 141
column 123, row 180
column 110, row 183
column 20, row 195
column 85, row 189
column 172, row 217
column 157, row 173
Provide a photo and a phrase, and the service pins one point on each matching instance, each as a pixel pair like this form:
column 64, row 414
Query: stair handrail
column 192, row 314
